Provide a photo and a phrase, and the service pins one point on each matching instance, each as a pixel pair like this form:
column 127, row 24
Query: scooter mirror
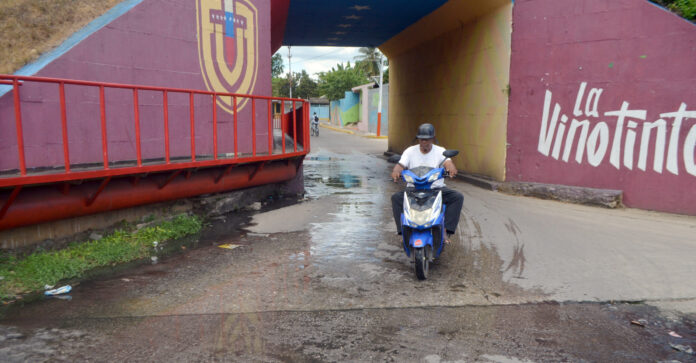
column 450, row 153
column 394, row 158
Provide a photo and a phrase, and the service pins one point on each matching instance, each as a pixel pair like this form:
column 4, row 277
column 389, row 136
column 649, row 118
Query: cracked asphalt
column 326, row 279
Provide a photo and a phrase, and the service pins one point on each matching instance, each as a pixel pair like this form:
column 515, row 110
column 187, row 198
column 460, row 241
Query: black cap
column 426, row 131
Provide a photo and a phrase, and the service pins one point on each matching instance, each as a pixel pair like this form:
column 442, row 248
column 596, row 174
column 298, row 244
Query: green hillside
column 685, row 8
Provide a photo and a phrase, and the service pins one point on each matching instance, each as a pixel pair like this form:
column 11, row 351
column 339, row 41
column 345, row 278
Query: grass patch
column 31, row 273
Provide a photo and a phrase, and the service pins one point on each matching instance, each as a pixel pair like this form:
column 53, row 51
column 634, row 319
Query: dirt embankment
column 29, row 28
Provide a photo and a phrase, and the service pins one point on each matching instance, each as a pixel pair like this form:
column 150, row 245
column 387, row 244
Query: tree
column 306, row 87
column 303, row 86
column 340, row 79
column 277, row 65
column 368, row 61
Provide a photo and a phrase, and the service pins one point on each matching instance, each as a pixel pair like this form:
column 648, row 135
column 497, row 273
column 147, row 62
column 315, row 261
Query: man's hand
column 396, row 172
column 451, row 169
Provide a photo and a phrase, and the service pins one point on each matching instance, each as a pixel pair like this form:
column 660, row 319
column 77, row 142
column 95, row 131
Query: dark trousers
column 453, row 201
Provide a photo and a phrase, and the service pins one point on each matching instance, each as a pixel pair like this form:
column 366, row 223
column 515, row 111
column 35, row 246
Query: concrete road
column 327, row 280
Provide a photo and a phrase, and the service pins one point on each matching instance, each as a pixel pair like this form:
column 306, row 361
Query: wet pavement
column 326, row 279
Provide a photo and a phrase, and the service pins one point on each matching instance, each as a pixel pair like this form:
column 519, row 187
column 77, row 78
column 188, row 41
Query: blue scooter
column 423, row 218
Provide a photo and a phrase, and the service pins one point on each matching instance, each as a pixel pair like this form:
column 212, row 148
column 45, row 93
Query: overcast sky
column 317, row 59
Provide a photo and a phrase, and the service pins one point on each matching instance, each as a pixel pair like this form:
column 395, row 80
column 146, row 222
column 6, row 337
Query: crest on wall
column 227, row 32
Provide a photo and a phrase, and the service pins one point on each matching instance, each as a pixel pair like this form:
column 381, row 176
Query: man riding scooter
column 430, row 155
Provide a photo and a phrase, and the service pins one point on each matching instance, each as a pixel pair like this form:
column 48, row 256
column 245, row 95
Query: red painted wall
column 156, row 43
column 605, row 73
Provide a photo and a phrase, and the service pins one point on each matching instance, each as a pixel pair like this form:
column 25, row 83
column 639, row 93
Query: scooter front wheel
column 422, row 263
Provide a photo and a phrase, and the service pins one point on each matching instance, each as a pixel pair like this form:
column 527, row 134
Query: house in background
column 345, row 112
column 320, row 105
column 358, row 109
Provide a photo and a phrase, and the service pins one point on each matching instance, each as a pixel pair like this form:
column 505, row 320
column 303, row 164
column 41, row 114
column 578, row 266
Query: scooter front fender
column 421, row 238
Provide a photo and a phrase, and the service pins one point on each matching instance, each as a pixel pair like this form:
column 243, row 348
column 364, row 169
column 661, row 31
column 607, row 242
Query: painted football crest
column 227, row 47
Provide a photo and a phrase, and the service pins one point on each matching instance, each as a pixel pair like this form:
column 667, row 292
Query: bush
column 685, row 8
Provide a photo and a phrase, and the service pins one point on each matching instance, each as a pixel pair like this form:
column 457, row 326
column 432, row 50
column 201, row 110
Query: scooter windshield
column 421, row 171
column 422, row 200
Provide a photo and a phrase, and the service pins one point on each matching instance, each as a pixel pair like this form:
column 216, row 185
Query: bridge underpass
column 559, row 99
column 449, row 65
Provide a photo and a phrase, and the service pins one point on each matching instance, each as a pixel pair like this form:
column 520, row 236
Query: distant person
column 314, row 129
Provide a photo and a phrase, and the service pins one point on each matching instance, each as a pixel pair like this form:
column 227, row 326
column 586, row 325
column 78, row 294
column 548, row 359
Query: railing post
column 270, row 127
column 282, row 123
column 64, row 125
column 215, row 146
column 306, row 128
column 234, row 105
column 102, row 108
column 193, row 133
column 136, row 112
column 165, row 103
column 294, row 125
column 253, row 126
column 18, row 125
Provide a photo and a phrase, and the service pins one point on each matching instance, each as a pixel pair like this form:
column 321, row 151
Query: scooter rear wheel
column 422, row 263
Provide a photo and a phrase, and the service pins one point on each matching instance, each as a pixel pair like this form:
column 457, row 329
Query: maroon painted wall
column 615, row 76
column 156, row 43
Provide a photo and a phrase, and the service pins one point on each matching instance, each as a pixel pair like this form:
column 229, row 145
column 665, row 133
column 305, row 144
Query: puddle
column 343, row 181
column 320, row 158
column 349, row 234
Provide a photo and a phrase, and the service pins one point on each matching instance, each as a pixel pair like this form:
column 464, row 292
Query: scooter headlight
column 422, row 218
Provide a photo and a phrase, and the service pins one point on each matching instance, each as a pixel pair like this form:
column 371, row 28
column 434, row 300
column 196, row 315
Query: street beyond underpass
column 326, row 279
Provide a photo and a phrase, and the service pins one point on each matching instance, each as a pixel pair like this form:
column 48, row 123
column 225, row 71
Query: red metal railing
column 294, row 124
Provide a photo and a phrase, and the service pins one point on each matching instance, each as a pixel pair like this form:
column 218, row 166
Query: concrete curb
column 607, row 198
column 369, row 136
column 337, row 129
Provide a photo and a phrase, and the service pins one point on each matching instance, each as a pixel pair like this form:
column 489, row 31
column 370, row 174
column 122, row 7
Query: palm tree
column 368, row 60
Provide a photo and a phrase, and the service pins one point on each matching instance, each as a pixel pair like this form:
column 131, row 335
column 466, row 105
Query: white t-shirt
column 413, row 157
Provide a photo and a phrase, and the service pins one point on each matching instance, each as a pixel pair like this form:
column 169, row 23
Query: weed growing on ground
column 31, row 273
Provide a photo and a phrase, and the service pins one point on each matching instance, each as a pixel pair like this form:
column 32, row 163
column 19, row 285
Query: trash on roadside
column 61, row 290
column 154, row 260
column 674, row 334
column 48, row 287
column 682, row 348
column 229, row 246
column 125, row 280
column 640, row 322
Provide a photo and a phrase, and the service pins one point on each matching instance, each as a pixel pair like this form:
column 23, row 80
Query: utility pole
column 290, row 70
column 379, row 107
